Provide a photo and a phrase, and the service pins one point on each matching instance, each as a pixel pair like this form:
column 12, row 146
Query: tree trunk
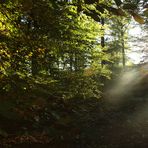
column 123, row 49
column 102, row 39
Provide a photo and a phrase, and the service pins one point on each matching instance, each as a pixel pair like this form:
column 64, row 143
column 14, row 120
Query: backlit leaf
column 138, row 18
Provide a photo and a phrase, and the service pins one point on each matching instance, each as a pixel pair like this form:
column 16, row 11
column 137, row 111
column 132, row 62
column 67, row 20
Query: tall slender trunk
column 123, row 49
column 102, row 39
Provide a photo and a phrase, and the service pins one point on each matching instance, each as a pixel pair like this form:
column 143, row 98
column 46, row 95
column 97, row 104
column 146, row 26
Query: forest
column 70, row 76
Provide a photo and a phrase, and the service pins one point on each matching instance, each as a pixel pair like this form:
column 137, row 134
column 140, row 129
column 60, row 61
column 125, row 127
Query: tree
column 118, row 37
column 55, row 43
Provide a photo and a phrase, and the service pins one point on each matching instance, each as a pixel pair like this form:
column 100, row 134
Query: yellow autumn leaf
column 138, row 18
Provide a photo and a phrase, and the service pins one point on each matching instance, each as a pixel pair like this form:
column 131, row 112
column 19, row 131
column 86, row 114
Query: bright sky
column 135, row 55
column 136, row 31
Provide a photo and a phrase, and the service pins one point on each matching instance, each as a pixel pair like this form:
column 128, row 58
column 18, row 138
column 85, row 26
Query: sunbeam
column 128, row 83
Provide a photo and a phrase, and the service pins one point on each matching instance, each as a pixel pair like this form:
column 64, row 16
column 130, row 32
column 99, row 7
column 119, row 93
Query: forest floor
column 94, row 126
column 88, row 123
